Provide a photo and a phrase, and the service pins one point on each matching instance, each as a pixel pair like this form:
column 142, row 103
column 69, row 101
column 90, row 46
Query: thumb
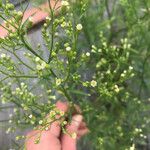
column 68, row 141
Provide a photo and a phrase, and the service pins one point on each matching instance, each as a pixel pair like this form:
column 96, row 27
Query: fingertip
column 63, row 106
column 77, row 119
column 83, row 132
column 75, row 124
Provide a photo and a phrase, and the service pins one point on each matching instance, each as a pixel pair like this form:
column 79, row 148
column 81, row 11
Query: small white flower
column 10, row 121
column 43, row 65
column 37, row 59
column 47, row 128
column 64, row 3
column 40, row 122
column 108, row 72
column 20, row 13
column 63, row 24
column 49, row 91
column 141, row 135
column 125, row 40
column 3, row 55
column 30, row 19
column 9, row 83
column 74, row 135
column 28, row 54
column 17, row 138
column 138, row 130
column 32, row 122
column 22, row 84
column 56, row 33
column 48, row 18
column 130, row 68
column 3, row 101
column 116, row 88
column 8, row 131
column 132, row 147
column 93, row 47
column 129, row 46
column 17, row 89
column 52, row 113
column 10, row 115
column 88, row 54
column 122, row 75
column 68, row 48
column 58, row 82
column 53, row 97
column 45, row 25
column 15, row 110
column 93, row 83
column 38, row 67
column 99, row 50
column 30, row 116
column 79, row 27
column 104, row 44
column 143, row 10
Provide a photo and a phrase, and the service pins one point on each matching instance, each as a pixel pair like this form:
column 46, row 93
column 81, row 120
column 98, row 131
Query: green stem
column 6, row 107
column 23, row 76
column 18, row 76
column 3, row 79
column 62, row 88
column 4, row 120
column 8, row 21
column 52, row 34
column 110, row 17
column 26, row 44
column 23, row 62
column 66, row 94
column 5, row 28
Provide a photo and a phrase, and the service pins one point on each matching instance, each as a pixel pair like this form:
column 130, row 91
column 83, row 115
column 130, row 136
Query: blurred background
column 131, row 20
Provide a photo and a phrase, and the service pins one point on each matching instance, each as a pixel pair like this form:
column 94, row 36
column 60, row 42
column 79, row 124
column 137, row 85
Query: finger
column 63, row 106
column 55, row 128
column 82, row 125
column 68, row 142
column 49, row 138
column 83, row 132
column 44, row 141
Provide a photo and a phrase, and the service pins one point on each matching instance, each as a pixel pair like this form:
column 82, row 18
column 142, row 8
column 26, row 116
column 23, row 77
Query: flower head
column 68, row 48
column 20, row 13
column 3, row 55
column 74, row 135
column 88, row 54
column 30, row 116
column 58, row 81
column 79, row 27
column 37, row 59
column 93, row 83
column 41, row 121
column 41, row 66
column 116, row 88
column 64, row 3
column 132, row 147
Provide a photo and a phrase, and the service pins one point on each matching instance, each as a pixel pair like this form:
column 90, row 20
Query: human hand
column 54, row 139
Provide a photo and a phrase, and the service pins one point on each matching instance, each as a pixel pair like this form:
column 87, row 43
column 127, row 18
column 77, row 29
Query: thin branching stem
column 52, row 31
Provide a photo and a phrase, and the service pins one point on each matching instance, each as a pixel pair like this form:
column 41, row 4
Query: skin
column 54, row 139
